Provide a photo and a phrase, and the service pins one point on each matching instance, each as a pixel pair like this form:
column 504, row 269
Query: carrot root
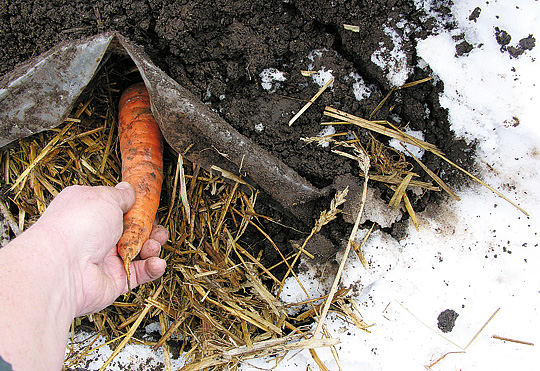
column 141, row 148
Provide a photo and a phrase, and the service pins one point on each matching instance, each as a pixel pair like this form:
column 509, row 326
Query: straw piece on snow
column 308, row 104
column 434, row 176
column 512, row 340
column 260, row 349
column 428, row 367
column 482, row 328
column 339, row 294
column 485, row 185
column 378, row 128
column 442, row 156
column 358, row 249
column 410, row 210
column 317, row 360
column 355, row 318
column 364, row 166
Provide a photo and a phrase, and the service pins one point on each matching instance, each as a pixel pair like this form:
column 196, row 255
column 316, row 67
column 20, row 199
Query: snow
column 322, row 76
column 394, row 60
column 361, row 90
column 326, row 131
column 479, row 257
column 131, row 357
column 269, row 76
column 416, row 151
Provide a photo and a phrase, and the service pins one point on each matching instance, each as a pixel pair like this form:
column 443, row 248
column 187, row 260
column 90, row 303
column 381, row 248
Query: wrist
column 36, row 307
column 45, row 262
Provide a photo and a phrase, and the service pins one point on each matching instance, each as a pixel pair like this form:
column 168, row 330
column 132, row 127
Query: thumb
column 125, row 196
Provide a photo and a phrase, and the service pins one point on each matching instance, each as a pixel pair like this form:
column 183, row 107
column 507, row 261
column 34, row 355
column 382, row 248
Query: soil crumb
column 447, row 320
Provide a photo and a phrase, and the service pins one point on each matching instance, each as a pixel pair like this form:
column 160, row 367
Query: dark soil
column 218, row 49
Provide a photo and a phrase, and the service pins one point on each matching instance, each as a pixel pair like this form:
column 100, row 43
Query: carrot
column 141, row 148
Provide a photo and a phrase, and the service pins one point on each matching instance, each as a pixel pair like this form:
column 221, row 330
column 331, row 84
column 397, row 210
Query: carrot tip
column 126, row 267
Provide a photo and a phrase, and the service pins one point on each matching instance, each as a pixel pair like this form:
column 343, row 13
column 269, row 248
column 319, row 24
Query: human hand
column 86, row 224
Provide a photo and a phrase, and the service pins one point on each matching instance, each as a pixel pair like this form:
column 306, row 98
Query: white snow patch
column 393, row 62
column 131, row 357
column 327, row 130
column 381, row 252
column 315, row 54
column 377, row 210
column 322, row 77
column 416, row 151
column 293, row 293
column 269, row 76
column 361, row 90
column 153, row 327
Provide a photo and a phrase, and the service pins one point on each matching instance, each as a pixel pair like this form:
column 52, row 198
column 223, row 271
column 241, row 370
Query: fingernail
column 122, row 185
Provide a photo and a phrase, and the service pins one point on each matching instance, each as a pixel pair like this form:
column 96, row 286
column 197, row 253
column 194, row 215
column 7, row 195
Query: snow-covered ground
column 476, row 257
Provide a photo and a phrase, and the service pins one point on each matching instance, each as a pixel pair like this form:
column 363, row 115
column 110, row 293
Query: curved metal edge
column 185, row 121
column 39, row 94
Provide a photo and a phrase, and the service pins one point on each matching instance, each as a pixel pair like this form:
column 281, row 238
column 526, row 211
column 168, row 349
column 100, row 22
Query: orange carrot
column 141, row 148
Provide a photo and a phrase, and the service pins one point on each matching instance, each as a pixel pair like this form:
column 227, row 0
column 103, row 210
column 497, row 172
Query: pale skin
column 65, row 266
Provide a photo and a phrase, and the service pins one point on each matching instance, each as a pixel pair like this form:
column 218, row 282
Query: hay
column 388, row 129
column 311, row 101
column 326, row 217
column 216, row 303
column 389, row 169
column 350, row 27
column 364, row 163
column 512, row 340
